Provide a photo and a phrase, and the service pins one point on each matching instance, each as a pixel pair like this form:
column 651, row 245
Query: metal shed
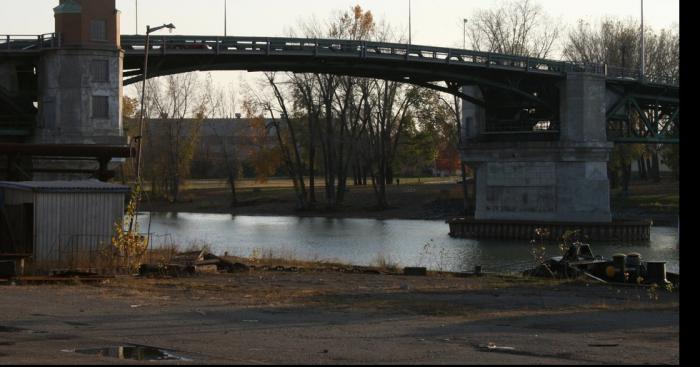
column 50, row 221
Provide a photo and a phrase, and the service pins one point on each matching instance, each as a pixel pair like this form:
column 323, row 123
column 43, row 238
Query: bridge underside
column 537, row 132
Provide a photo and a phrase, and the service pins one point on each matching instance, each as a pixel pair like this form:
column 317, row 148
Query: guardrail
column 370, row 49
column 344, row 48
column 20, row 42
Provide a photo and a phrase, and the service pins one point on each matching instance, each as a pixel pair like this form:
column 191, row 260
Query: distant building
column 217, row 137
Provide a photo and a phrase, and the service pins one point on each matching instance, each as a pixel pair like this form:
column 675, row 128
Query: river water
column 365, row 241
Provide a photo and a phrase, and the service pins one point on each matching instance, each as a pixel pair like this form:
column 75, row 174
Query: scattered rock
column 415, row 272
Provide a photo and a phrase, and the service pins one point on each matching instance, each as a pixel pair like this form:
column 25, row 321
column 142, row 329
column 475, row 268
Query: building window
column 100, row 107
column 100, row 71
column 98, row 30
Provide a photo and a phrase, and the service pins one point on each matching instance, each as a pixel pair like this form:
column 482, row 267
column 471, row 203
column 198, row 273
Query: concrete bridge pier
column 80, row 97
column 560, row 179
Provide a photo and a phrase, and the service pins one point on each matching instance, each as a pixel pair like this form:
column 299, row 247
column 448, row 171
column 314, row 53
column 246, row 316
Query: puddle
column 133, row 352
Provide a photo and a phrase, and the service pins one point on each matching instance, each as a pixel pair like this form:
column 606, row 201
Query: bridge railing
column 360, row 49
column 619, row 73
column 20, row 42
column 371, row 49
column 331, row 47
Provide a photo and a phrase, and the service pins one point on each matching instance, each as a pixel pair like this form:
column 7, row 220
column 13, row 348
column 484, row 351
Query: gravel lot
column 266, row 317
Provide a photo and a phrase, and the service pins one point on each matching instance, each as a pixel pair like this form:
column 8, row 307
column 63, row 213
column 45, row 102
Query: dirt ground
column 266, row 317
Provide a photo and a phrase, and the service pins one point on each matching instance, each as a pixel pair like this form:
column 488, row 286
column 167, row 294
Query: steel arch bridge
column 639, row 110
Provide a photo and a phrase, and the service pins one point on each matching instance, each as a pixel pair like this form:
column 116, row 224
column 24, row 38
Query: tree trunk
column 312, row 164
column 389, row 176
column 465, row 190
column 648, row 167
column 641, row 167
column 655, row 171
column 626, row 175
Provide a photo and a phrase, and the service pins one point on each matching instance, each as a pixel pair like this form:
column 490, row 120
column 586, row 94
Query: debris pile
column 191, row 263
column 579, row 261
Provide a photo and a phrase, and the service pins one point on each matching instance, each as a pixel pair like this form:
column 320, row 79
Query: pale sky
column 434, row 22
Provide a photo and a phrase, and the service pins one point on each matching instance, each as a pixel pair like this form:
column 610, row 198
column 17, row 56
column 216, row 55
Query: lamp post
column 137, row 17
column 464, row 33
column 225, row 17
column 149, row 30
column 643, row 58
column 409, row 22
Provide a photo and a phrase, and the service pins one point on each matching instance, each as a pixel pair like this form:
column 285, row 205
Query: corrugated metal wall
column 66, row 223
column 17, row 197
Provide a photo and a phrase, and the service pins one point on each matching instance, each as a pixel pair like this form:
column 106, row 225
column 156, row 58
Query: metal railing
column 374, row 50
column 614, row 72
column 338, row 48
column 343, row 48
column 20, row 42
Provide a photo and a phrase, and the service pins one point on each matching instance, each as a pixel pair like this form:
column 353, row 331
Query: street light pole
column 137, row 16
column 464, row 33
column 149, row 30
column 643, row 46
column 225, row 17
column 409, row 22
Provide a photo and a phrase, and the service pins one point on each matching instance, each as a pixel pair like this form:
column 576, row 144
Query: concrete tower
column 80, row 82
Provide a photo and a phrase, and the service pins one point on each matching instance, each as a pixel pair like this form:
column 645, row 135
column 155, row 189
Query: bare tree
column 178, row 98
column 288, row 142
column 221, row 104
column 515, row 28
column 617, row 43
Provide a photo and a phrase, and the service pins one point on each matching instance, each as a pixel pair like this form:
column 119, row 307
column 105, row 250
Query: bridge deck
column 268, row 46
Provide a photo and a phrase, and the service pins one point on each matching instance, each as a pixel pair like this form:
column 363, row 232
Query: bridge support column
column 80, row 95
column 80, row 83
column 544, row 181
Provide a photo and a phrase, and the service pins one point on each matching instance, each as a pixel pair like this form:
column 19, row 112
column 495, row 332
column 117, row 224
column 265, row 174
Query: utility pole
column 149, row 30
column 137, row 16
column 464, row 33
column 409, row 22
column 225, row 18
column 643, row 46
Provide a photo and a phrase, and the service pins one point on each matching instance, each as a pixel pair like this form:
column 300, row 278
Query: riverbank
column 337, row 318
column 437, row 199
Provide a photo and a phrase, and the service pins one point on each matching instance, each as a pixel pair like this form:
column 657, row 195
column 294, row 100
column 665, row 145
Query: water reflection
column 364, row 241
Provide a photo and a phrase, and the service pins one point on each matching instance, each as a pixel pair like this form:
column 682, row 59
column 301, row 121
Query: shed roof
column 66, row 186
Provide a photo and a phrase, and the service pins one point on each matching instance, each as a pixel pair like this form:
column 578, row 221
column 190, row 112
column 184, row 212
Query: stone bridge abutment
column 555, row 175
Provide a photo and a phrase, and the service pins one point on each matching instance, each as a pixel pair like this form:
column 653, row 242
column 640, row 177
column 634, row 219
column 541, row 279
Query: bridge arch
column 424, row 66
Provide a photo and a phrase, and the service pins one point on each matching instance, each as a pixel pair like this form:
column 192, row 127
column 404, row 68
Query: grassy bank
column 424, row 198
column 433, row 198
